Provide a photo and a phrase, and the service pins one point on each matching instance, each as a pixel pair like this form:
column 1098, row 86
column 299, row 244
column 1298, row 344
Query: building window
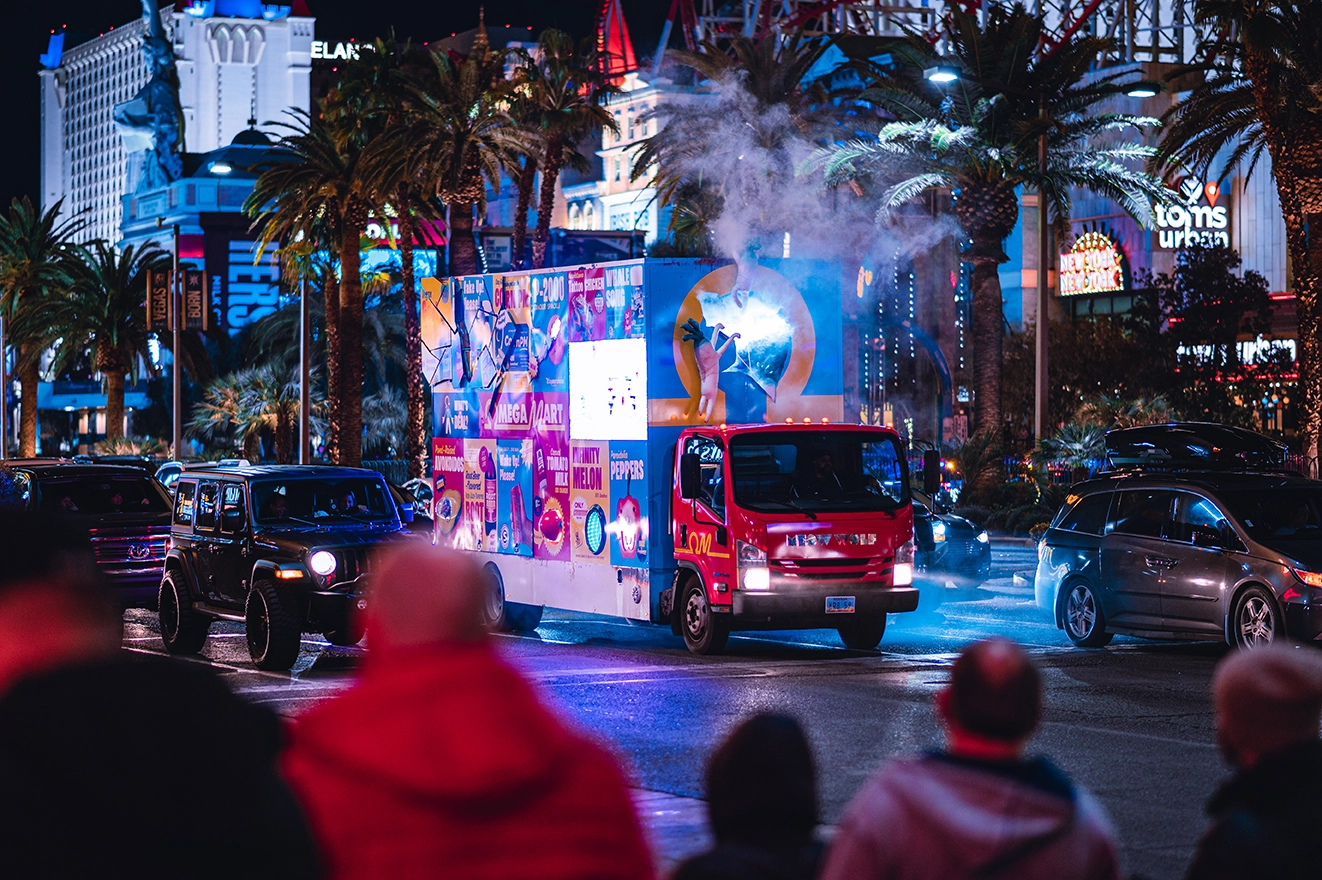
column 575, row 217
column 589, row 216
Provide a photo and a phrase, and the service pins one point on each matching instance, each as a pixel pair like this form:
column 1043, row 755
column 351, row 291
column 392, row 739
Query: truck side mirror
column 690, row 476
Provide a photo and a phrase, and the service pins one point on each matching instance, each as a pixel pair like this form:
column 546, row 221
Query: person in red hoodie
column 442, row 760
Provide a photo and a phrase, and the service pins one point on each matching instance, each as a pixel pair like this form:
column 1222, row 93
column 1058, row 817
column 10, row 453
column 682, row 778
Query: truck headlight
column 322, row 562
column 903, row 571
column 752, row 560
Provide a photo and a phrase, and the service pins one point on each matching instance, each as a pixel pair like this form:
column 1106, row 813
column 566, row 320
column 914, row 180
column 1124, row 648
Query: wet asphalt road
column 1132, row 722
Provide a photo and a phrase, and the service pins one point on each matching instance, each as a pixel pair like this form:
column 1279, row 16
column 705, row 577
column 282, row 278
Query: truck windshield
column 320, row 502
column 820, row 471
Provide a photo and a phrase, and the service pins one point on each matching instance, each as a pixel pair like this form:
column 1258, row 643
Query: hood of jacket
column 997, row 812
column 450, row 724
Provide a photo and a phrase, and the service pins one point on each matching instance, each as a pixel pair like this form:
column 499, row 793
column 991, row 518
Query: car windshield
column 818, row 471
column 100, row 495
column 295, row 502
column 1291, row 514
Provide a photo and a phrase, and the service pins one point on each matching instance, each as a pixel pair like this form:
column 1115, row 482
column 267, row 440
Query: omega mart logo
column 1191, row 223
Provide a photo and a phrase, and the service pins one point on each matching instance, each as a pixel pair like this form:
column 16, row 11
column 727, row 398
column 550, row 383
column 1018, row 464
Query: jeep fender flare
column 178, row 559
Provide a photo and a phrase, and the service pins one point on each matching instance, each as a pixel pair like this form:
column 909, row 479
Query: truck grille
column 828, row 569
column 351, row 563
column 131, row 552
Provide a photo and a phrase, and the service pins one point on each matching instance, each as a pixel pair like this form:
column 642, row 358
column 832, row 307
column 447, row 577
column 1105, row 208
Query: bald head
column 995, row 691
column 1266, row 699
column 425, row 596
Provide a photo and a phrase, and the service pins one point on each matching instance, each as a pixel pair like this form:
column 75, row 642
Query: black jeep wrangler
column 285, row 549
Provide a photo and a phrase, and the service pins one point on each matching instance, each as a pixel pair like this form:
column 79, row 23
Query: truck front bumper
column 805, row 607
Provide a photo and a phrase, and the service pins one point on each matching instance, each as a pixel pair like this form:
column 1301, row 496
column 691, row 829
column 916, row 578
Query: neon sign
column 1190, row 223
column 1094, row 265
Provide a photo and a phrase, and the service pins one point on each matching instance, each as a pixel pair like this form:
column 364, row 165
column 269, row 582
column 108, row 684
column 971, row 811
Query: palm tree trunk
column 29, row 374
column 550, row 174
column 463, row 250
column 416, row 430
column 527, row 177
column 284, row 434
column 114, row 403
column 331, row 329
column 351, row 338
column 988, row 345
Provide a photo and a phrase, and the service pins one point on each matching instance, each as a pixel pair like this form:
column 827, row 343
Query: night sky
column 29, row 24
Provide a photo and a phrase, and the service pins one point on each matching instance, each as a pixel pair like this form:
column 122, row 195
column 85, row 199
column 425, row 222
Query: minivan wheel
column 183, row 630
column 1255, row 622
column 273, row 630
column 704, row 632
column 1084, row 622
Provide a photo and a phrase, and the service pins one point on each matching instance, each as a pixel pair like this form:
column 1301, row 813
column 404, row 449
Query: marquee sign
column 1094, row 264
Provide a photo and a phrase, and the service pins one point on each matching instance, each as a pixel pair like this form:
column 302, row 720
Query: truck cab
column 793, row 526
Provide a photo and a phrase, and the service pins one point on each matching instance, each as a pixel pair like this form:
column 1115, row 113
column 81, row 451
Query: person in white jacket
column 980, row 808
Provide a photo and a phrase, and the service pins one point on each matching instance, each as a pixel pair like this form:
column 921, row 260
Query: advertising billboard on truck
column 560, row 398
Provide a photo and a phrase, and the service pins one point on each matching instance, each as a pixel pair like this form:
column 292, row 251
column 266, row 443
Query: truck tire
column 495, row 610
column 704, row 633
column 273, row 630
column 523, row 618
column 863, row 634
column 183, row 630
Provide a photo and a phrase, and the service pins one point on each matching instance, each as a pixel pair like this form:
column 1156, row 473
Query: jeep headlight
column 322, row 562
column 752, row 560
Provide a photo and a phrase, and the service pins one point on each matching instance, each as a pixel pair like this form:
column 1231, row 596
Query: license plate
column 839, row 604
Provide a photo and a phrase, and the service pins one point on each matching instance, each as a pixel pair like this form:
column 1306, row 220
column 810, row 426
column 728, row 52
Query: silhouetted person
column 1264, row 820
column 442, row 760
column 762, row 802
column 979, row 809
column 115, row 764
column 817, row 478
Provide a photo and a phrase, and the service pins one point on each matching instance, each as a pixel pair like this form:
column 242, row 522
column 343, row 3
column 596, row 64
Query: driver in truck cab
column 818, row 479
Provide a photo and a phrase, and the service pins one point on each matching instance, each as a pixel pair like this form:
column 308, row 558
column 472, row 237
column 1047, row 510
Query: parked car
column 125, row 512
column 283, row 549
column 1210, row 554
column 950, row 551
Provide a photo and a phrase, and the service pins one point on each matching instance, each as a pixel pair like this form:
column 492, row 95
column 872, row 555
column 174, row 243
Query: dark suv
column 124, row 511
column 1179, row 547
column 284, row 549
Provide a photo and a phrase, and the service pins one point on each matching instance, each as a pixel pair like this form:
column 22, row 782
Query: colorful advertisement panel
column 514, row 491
column 628, row 497
column 481, row 497
column 623, row 286
column 589, row 501
column 587, row 304
column 550, row 471
column 448, row 485
column 549, row 332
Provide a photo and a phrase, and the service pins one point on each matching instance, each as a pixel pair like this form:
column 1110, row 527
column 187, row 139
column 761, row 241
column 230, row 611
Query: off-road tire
column 273, row 628
column 183, row 630
column 863, row 634
column 705, row 633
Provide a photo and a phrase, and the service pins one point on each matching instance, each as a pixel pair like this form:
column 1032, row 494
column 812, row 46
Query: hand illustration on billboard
column 709, row 364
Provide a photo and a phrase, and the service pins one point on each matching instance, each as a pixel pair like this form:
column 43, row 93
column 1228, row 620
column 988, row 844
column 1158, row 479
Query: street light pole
column 176, row 327
column 4, row 393
column 1041, row 392
column 304, row 356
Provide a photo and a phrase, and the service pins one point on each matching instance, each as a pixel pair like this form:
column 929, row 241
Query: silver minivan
column 1227, row 556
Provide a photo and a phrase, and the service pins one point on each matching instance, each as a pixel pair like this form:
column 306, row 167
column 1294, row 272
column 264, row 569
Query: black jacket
column 143, row 767
column 732, row 861
column 1265, row 820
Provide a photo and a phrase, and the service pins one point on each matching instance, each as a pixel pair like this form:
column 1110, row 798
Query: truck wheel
column 495, row 611
column 704, row 632
column 273, row 630
column 183, row 630
column 864, row 634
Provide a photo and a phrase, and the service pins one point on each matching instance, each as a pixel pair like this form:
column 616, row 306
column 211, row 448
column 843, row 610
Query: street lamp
column 941, row 73
column 1144, row 89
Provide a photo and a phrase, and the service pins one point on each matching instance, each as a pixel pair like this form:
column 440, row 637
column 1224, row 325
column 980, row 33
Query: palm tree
column 456, row 139
column 981, row 142
column 756, row 99
column 1077, row 446
column 104, row 312
column 237, row 409
column 321, row 190
column 566, row 94
column 526, row 117
column 1259, row 94
column 35, row 251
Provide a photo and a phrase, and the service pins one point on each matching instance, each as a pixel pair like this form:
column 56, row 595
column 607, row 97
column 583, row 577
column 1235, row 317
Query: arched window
column 589, row 216
column 575, row 217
